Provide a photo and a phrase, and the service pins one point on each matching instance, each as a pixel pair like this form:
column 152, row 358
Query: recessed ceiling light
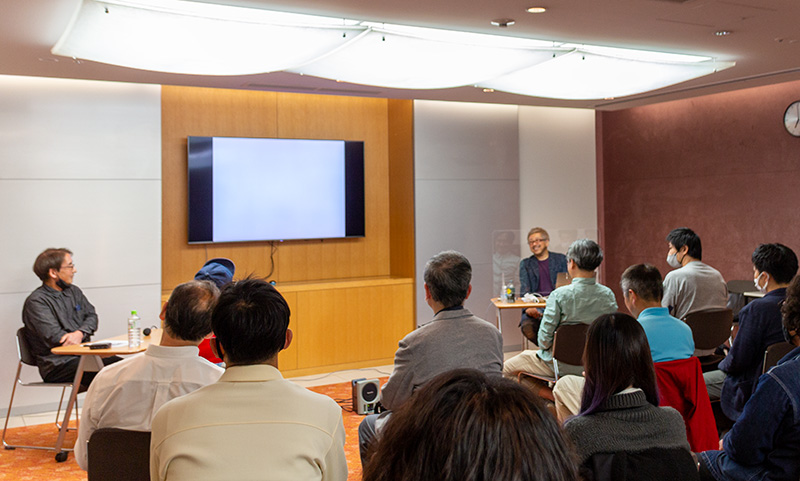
column 503, row 22
column 537, row 10
column 722, row 33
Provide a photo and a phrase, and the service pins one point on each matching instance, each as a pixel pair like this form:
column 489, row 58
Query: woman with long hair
column 466, row 426
column 620, row 432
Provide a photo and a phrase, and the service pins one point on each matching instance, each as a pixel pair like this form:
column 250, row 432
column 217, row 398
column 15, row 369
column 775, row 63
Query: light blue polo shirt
column 670, row 338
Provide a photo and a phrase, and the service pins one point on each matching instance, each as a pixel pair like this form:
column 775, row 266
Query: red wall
column 722, row 165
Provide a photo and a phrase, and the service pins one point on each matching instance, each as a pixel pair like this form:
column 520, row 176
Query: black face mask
column 62, row 285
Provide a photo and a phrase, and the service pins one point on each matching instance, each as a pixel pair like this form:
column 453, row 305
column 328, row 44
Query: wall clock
column 791, row 118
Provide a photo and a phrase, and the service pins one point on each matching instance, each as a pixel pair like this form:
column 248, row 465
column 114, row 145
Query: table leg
column 94, row 364
column 499, row 320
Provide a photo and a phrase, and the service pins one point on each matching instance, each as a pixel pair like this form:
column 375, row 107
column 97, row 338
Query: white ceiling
column 765, row 41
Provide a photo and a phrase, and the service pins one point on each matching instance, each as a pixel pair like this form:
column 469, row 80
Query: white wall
column 466, row 169
column 80, row 167
column 481, row 168
column 557, row 171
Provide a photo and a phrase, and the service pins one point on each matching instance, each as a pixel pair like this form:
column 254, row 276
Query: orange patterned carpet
column 35, row 465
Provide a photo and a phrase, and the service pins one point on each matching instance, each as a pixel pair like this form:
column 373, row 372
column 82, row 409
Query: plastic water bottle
column 134, row 332
column 503, row 292
column 510, row 293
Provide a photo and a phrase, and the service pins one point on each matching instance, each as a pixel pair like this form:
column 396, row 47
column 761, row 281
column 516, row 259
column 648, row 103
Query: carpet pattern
column 37, row 465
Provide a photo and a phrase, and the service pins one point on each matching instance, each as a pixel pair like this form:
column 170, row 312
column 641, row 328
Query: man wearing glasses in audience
column 58, row 314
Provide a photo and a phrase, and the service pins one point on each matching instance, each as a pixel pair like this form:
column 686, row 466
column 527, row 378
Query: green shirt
column 580, row 302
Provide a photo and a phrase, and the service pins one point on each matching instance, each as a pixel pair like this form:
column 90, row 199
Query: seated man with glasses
column 58, row 314
column 538, row 274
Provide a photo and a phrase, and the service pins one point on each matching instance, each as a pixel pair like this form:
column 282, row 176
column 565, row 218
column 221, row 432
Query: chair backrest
column 775, row 353
column 681, row 386
column 740, row 286
column 710, row 327
column 568, row 343
column 119, row 455
column 23, row 350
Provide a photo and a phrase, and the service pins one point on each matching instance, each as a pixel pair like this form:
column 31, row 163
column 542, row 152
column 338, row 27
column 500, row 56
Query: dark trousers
column 66, row 372
column 530, row 328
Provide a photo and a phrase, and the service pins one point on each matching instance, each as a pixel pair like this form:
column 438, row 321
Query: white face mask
column 672, row 260
column 762, row 289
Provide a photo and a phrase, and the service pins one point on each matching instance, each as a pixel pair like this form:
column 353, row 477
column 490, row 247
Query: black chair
column 26, row 358
column 775, row 353
column 568, row 343
column 710, row 329
column 119, row 455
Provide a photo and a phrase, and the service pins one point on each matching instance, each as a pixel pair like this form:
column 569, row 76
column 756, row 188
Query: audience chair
column 25, row 358
column 775, row 353
column 710, row 329
column 568, row 343
column 119, row 455
column 681, row 386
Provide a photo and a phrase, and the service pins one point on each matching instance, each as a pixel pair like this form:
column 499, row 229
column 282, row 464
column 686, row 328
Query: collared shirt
column 582, row 301
column 670, row 338
column 127, row 394
column 251, row 424
column 48, row 314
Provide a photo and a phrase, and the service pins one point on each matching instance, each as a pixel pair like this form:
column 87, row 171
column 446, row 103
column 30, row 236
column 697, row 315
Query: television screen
column 253, row 189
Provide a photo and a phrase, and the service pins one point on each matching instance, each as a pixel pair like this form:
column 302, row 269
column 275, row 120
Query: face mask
column 672, row 260
column 61, row 284
column 758, row 287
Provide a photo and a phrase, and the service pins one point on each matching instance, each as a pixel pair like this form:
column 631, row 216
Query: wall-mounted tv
column 257, row 189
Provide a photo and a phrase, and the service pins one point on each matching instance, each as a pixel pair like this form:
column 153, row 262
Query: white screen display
column 278, row 189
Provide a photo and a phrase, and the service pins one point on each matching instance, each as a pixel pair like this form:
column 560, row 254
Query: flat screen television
column 258, row 189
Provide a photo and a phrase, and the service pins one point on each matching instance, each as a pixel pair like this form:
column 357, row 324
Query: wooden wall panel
column 351, row 300
column 208, row 112
column 332, row 117
column 401, row 198
column 198, row 111
column 287, row 359
column 348, row 325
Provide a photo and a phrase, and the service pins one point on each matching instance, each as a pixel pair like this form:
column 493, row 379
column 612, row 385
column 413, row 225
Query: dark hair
column 250, row 321
column 791, row 306
column 684, row 236
column 777, row 260
column 447, row 275
column 586, row 254
column 49, row 259
column 616, row 356
column 188, row 314
column 466, row 426
column 644, row 280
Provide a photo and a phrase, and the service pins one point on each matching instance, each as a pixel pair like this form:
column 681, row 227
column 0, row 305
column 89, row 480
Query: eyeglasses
column 536, row 241
column 68, row 266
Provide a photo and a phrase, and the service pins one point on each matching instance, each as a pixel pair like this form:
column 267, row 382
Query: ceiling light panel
column 582, row 75
column 191, row 38
column 416, row 58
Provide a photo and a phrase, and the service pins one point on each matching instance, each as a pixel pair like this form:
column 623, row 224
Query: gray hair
column 586, row 254
column 447, row 275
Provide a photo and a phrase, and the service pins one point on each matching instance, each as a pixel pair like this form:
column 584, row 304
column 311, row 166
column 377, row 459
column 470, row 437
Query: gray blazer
column 453, row 339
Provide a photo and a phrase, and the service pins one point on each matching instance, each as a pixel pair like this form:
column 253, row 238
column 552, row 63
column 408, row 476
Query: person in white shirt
column 251, row 424
column 127, row 394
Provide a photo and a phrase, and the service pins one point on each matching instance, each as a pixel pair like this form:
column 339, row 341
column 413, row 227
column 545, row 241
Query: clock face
column 791, row 119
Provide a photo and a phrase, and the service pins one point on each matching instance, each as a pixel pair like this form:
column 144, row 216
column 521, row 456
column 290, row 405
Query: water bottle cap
column 133, row 313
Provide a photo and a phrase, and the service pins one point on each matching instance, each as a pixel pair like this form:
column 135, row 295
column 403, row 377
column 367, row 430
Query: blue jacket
column 759, row 326
column 764, row 443
column 529, row 272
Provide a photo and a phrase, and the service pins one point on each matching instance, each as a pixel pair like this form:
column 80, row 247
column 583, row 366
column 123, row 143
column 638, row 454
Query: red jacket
column 681, row 386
